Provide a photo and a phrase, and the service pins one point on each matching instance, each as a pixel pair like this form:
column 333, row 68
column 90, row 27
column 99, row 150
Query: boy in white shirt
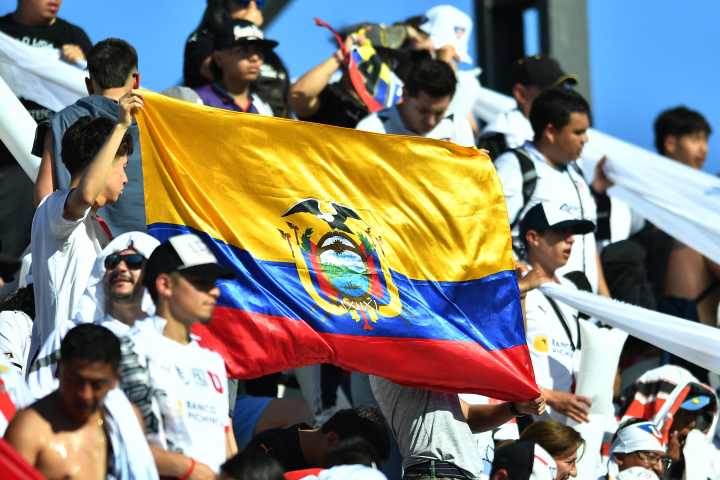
column 548, row 232
column 66, row 233
column 180, row 387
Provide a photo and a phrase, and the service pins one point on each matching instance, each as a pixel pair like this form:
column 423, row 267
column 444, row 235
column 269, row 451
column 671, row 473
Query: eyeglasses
column 651, row 458
column 132, row 261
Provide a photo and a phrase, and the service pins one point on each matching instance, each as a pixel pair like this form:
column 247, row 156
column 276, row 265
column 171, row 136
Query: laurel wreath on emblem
column 346, row 265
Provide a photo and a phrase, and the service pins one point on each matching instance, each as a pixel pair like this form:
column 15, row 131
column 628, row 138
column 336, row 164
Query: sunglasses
column 246, row 3
column 132, row 261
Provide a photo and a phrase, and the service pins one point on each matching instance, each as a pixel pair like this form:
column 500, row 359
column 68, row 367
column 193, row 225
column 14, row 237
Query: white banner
column 17, row 131
column 695, row 342
column 681, row 201
column 39, row 75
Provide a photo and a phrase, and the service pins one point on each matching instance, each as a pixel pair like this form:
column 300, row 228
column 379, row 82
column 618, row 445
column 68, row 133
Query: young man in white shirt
column 427, row 93
column 548, row 231
column 180, row 387
column 560, row 118
column 66, row 233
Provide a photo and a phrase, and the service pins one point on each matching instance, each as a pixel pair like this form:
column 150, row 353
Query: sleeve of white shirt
column 60, row 227
column 463, row 134
column 371, row 123
column 508, row 169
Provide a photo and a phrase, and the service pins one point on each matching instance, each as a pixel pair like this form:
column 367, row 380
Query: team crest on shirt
column 651, row 429
column 341, row 263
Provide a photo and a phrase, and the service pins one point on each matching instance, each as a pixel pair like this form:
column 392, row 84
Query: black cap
column 554, row 215
column 541, row 70
column 241, row 32
column 184, row 253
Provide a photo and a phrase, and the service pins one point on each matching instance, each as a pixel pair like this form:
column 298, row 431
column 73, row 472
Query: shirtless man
column 62, row 435
column 692, row 282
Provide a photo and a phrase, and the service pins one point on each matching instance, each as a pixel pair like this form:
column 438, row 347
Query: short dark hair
column 365, row 422
column 21, row 300
column 82, row 141
column 678, row 122
column 353, row 451
column 92, row 343
column 251, row 465
column 434, row 77
column 554, row 106
column 111, row 62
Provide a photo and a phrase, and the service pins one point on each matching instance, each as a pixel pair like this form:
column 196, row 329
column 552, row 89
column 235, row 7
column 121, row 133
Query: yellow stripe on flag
column 439, row 207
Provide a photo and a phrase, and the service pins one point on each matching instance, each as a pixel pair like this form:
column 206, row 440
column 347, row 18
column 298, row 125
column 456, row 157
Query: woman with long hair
column 560, row 441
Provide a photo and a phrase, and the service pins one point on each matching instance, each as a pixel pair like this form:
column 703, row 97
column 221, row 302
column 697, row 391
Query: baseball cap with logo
column 695, row 403
column 524, row 461
column 554, row 215
column 241, row 32
column 447, row 25
column 187, row 254
column 541, row 70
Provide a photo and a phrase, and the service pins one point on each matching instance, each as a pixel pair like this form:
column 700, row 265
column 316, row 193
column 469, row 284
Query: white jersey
column 14, row 394
column 15, row 329
column 564, row 186
column 181, row 391
column 63, row 253
column 555, row 355
column 41, row 378
column 513, row 126
column 453, row 128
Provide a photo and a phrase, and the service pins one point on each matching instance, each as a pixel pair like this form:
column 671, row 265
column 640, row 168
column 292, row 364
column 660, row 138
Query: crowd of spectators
column 100, row 376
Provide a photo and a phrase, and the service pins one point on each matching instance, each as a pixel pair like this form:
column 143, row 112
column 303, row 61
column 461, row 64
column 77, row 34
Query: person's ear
column 501, row 474
column 670, row 144
column 550, row 132
column 519, row 92
column 57, row 369
column 218, row 58
column 331, row 439
column 164, row 285
column 136, row 81
column 89, row 86
column 532, row 238
column 405, row 95
column 619, row 458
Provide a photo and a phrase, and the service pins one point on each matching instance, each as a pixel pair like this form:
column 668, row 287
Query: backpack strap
column 529, row 177
column 561, row 318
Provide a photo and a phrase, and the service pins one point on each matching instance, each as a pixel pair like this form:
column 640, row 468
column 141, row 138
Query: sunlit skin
column 422, row 113
column 639, row 459
column 124, row 289
column 549, row 249
column 690, row 149
column 188, row 300
column 566, row 466
column 62, row 434
column 114, row 185
column 37, row 12
column 563, row 146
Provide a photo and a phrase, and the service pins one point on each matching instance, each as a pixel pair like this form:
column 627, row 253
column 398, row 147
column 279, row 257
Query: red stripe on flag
column 254, row 344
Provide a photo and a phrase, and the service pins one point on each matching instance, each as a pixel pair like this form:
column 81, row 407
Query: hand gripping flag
column 382, row 254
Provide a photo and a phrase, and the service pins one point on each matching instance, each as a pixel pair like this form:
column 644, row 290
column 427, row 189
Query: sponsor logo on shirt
column 564, row 349
column 204, row 413
column 541, row 344
column 199, row 377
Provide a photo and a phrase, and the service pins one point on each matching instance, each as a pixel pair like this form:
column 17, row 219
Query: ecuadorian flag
column 382, row 254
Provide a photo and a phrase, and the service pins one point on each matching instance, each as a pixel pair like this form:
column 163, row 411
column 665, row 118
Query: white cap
column 447, row 25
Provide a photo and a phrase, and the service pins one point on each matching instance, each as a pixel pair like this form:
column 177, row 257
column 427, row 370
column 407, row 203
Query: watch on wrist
column 514, row 411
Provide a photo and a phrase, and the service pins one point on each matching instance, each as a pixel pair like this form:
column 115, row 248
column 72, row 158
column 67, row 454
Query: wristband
column 190, row 470
column 513, row 410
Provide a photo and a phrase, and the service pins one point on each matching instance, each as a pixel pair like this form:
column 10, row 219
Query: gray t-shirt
column 428, row 425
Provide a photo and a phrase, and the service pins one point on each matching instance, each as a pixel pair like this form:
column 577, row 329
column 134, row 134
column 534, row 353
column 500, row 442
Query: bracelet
column 190, row 470
column 513, row 410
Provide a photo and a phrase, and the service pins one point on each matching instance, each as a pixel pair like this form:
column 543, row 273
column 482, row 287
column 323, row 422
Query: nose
column 571, row 239
column 584, row 138
column 214, row 292
column 86, row 392
column 658, row 468
column 125, row 179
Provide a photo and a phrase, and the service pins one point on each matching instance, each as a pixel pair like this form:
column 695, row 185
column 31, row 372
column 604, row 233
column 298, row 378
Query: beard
column 123, row 297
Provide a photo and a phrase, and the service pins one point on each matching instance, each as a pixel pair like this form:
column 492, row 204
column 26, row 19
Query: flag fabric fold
column 381, row 254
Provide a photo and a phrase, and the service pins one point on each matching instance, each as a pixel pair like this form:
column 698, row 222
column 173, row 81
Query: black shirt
column 272, row 85
column 338, row 108
column 283, row 444
column 52, row 36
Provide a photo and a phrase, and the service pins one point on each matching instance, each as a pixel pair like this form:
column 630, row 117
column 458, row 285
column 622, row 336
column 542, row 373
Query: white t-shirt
column 565, row 186
column 513, row 125
column 63, row 253
column 452, row 128
column 555, row 357
column 14, row 394
column 15, row 328
column 181, row 391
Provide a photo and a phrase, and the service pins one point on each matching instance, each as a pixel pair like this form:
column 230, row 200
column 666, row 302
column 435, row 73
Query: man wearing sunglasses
column 637, row 443
column 180, row 387
column 114, row 298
